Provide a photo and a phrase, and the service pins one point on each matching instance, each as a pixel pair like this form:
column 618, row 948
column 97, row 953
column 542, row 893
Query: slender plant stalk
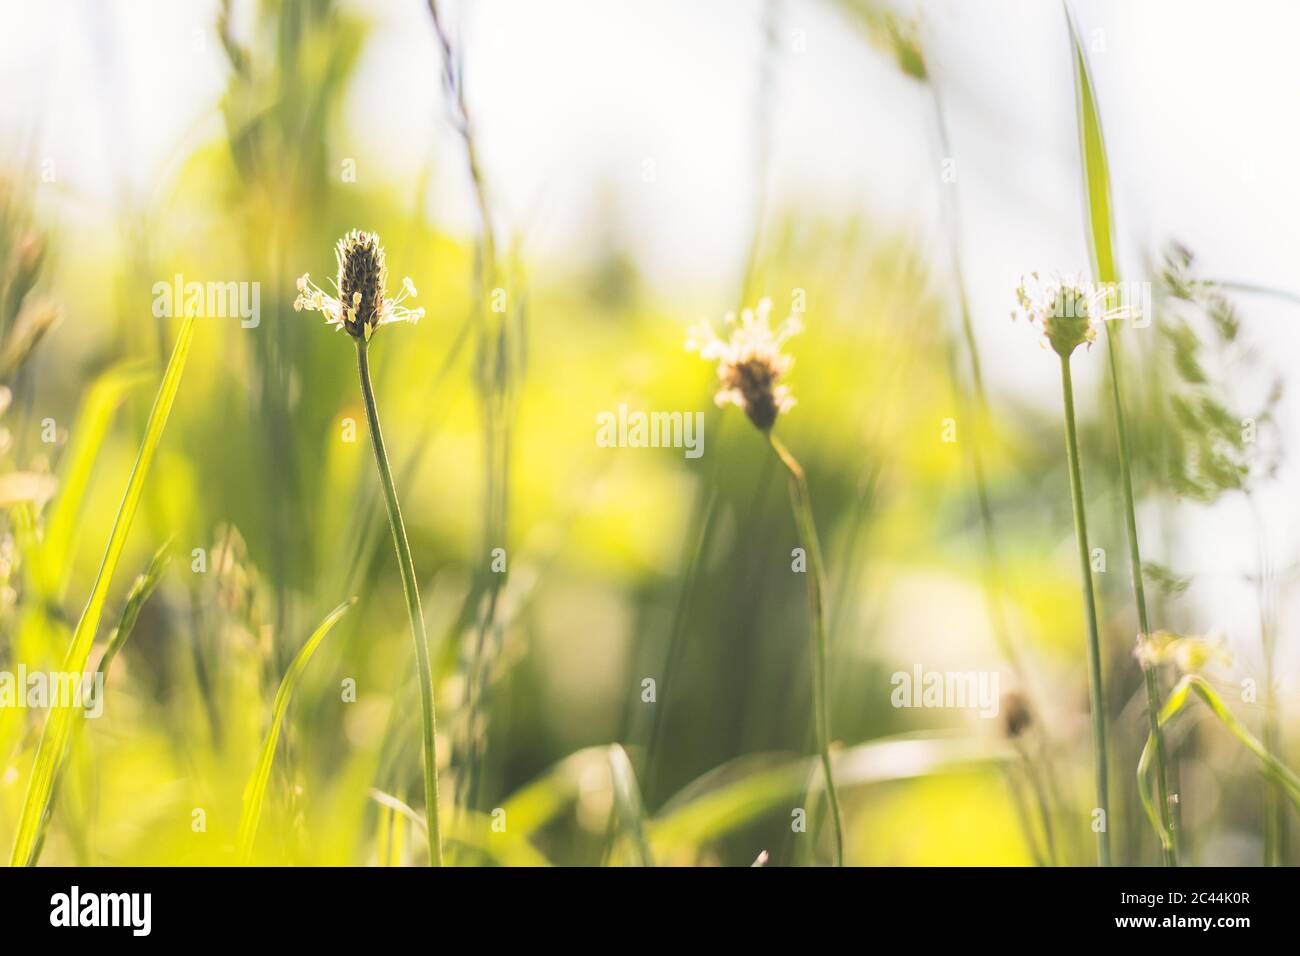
column 495, row 368
column 1274, row 812
column 801, row 502
column 1149, row 676
column 1041, row 801
column 410, row 587
column 1022, row 816
column 1101, row 245
column 1096, row 697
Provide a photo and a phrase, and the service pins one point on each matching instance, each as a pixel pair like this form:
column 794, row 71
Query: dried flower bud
column 36, row 318
column 30, row 254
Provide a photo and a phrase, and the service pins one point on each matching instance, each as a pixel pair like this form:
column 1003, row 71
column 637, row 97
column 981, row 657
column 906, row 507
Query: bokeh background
column 644, row 166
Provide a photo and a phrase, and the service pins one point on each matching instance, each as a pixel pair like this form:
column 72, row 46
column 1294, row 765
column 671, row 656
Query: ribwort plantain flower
column 1066, row 311
column 363, row 303
column 750, row 362
column 1068, row 317
column 362, row 307
column 750, row 368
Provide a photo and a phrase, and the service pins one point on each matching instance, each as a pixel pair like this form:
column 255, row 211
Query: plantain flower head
column 750, row 362
column 1066, row 310
column 363, row 303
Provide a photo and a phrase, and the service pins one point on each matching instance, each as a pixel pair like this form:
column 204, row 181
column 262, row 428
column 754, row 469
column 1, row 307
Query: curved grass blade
column 536, row 804
column 88, row 435
column 140, row 592
column 718, row 804
column 255, row 793
column 472, row 830
column 627, row 801
column 1274, row 769
column 1096, row 170
column 59, row 722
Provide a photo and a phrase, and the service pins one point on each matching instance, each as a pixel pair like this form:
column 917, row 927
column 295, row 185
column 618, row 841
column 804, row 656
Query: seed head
column 1016, row 716
column 362, row 277
column 1066, row 311
column 750, row 362
column 899, row 36
column 363, row 303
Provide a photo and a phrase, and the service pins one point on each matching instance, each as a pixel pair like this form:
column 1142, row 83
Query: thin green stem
column 1274, row 813
column 1044, row 805
column 412, row 591
column 801, row 502
column 1149, row 676
column 1096, row 697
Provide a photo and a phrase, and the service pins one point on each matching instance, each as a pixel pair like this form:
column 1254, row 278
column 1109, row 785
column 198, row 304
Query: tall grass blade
column 473, row 830
column 1281, row 775
column 724, row 800
column 255, row 793
column 627, row 801
column 51, row 751
column 140, row 592
column 88, row 435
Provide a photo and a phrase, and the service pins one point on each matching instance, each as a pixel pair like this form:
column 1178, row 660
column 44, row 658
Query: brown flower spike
column 363, row 303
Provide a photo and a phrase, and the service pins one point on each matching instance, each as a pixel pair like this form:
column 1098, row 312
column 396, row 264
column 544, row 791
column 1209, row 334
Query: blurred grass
column 274, row 513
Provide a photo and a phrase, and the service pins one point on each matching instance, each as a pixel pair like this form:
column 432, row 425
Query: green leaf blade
column 52, row 748
column 255, row 793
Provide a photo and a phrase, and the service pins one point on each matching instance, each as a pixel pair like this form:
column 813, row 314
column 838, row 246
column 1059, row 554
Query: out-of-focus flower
column 1066, row 310
column 363, row 303
column 35, row 319
column 1016, row 716
column 750, row 362
column 888, row 31
column 1190, row 654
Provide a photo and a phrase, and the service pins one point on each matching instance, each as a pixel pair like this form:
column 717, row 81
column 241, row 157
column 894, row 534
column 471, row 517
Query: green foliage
column 255, row 793
column 1220, row 441
column 52, row 750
